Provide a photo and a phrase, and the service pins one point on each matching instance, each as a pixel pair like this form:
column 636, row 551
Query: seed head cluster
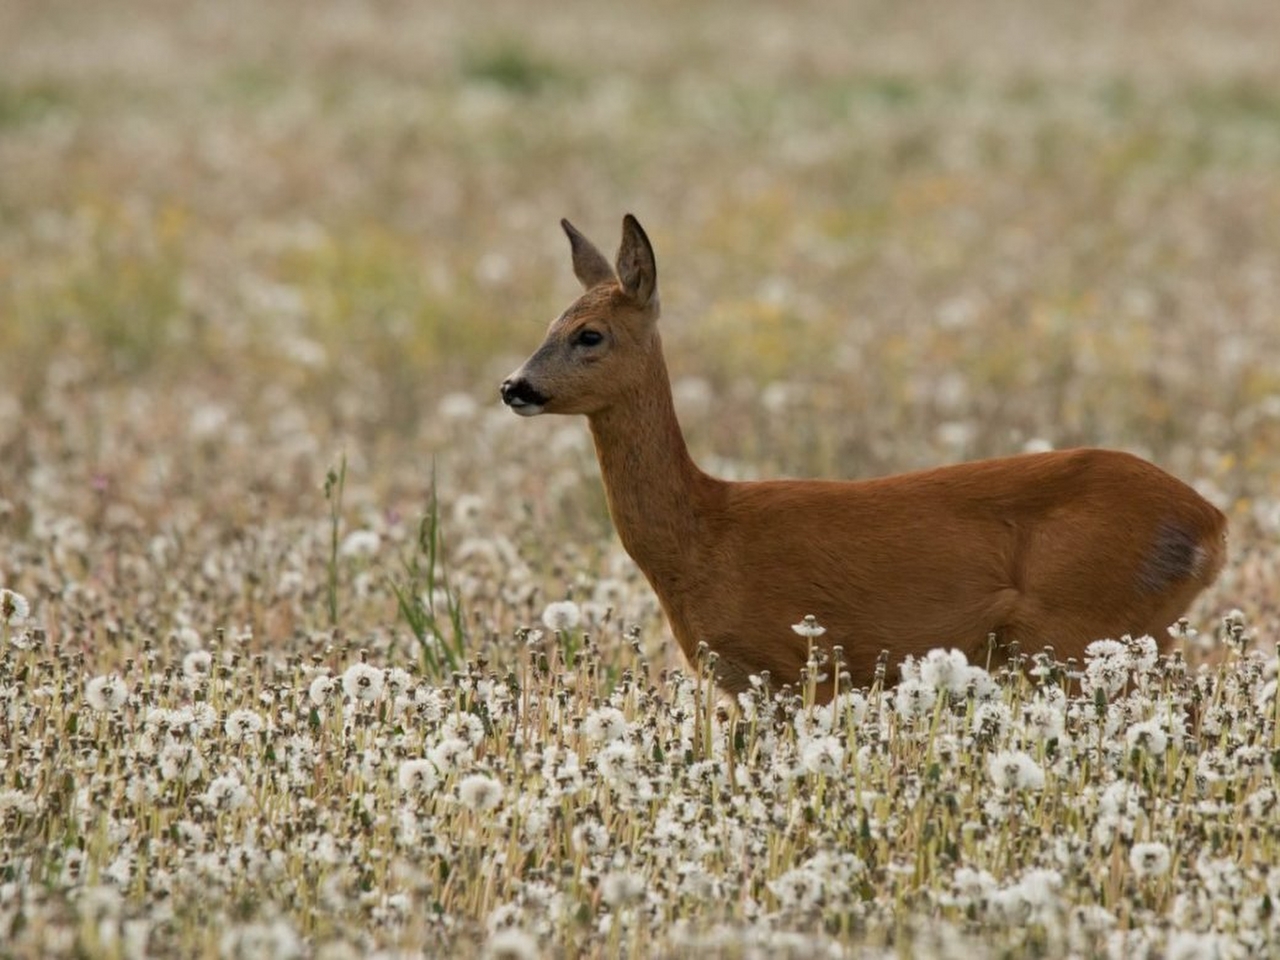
column 526, row 810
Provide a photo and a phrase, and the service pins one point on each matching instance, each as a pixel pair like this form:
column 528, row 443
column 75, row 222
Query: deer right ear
column 589, row 264
column 637, row 268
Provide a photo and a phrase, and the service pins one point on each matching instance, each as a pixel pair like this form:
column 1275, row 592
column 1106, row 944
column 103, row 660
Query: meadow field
column 309, row 648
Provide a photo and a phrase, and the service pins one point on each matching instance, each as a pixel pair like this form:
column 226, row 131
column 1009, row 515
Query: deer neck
column 652, row 484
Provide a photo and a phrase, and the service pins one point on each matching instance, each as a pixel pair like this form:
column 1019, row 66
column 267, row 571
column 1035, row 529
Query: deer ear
column 637, row 269
column 589, row 264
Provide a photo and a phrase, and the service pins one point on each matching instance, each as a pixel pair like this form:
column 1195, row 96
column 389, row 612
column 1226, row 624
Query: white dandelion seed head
column 179, row 760
column 617, row 763
column 1014, row 770
column 913, row 699
column 1150, row 859
column 1104, row 649
column 620, row 888
column 18, row 802
column 321, row 689
column 982, row 685
column 450, row 754
column 1149, row 737
column 25, row 639
column 1143, row 652
column 480, row 792
column 808, row 627
column 399, row 681
column 1046, row 717
column 1107, row 665
column 562, row 615
column 972, row 886
column 1040, row 887
column 197, row 664
column 463, row 726
column 851, row 704
column 276, row 939
column 106, row 694
column 511, row 943
column 824, row 755
column 363, row 682
column 360, row 543
column 243, row 725
column 418, row 776
column 604, row 725
column 591, row 836
column 992, row 719
column 14, row 608
column 946, row 670
column 800, row 888
column 226, row 793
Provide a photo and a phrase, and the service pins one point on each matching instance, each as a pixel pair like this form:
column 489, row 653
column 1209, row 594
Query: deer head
column 600, row 349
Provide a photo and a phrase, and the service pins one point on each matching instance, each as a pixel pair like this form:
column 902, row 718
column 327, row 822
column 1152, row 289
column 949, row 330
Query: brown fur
column 1047, row 549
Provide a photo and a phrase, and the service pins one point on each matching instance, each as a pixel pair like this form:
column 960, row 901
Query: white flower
column 480, row 792
column 1261, row 803
column 1015, row 770
column 590, row 835
column 616, row 762
column 798, row 889
column 809, row 627
column 243, row 725
column 14, row 608
column 197, row 664
column 604, row 725
column 946, row 670
column 972, row 887
column 360, row 543
column 321, row 689
column 982, row 685
column 992, row 719
column 179, row 760
column 466, row 727
column 450, row 754
column 1149, row 737
column 620, row 888
column 914, row 699
column 399, row 681
column 1045, row 717
column 1107, row 664
column 26, row 639
column 275, row 939
column 1149, row 859
column 106, row 694
column 18, row 801
column 511, row 944
column 226, row 793
column 1190, row 945
column 418, row 776
column 1143, row 652
column 823, row 755
column 363, row 682
column 561, row 615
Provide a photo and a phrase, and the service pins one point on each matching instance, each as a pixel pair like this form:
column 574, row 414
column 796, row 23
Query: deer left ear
column 637, row 269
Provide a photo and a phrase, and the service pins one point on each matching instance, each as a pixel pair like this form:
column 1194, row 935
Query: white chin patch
column 526, row 409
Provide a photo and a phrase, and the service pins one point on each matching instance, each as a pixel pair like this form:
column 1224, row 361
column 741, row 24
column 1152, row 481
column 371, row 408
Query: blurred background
column 241, row 240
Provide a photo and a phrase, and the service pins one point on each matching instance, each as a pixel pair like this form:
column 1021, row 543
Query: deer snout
column 522, row 397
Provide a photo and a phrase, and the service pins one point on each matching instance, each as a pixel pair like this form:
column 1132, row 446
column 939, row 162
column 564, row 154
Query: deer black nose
column 520, row 393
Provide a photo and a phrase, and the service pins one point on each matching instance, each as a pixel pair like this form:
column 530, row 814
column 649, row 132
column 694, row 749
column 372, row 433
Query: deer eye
column 588, row 338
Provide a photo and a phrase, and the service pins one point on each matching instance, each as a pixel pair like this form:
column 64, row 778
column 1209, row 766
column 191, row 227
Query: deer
column 1045, row 551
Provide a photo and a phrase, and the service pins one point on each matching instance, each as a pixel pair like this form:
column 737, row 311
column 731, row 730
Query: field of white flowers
column 308, row 648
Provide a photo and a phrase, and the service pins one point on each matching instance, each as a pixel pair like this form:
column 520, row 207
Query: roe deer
column 1043, row 550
